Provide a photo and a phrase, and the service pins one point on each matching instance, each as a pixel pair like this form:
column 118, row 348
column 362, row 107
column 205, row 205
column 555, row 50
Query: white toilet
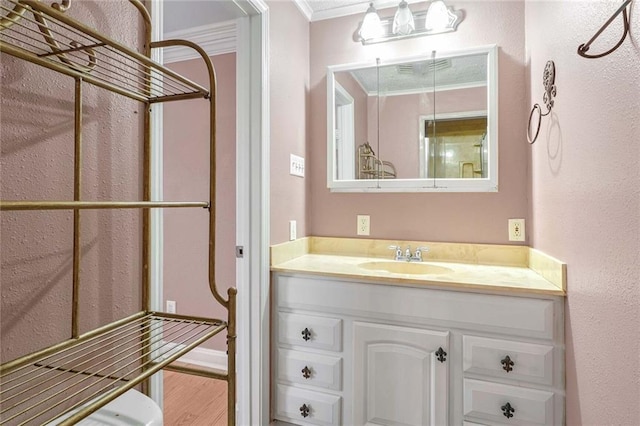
column 130, row 409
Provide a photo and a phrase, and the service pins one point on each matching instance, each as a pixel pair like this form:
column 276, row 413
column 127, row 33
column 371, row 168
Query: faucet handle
column 398, row 251
column 421, row 250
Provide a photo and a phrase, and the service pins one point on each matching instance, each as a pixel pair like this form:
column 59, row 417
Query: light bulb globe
column 371, row 26
column 403, row 22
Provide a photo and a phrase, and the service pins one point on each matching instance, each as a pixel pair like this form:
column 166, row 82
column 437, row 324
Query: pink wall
column 37, row 163
column 455, row 217
column 186, row 177
column 585, row 209
column 289, row 85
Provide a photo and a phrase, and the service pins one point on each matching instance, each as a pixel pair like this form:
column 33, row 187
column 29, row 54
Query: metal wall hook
column 549, row 82
column 584, row 48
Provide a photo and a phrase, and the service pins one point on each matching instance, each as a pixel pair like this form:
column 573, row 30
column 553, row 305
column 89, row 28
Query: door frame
column 252, row 209
column 344, row 121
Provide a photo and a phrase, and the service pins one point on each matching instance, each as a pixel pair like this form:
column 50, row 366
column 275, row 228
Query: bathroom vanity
column 354, row 345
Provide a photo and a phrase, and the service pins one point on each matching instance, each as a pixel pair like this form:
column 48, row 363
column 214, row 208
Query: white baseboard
column 203, row 357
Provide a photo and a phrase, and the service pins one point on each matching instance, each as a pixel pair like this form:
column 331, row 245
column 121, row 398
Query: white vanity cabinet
column 348, row 352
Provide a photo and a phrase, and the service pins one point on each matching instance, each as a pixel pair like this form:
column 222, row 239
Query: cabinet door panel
column 398, row 379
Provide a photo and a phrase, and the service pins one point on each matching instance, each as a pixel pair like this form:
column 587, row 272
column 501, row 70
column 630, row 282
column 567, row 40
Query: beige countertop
column 518, row 272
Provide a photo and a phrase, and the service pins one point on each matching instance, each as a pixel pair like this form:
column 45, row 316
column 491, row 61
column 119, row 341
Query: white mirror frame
column 488, row 184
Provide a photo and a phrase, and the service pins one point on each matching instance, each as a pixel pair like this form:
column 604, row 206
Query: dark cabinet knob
column 304, row 410
column 507, row 364
column 306, row 372
column 507, row 410
column 306, row 334
column 441, row 355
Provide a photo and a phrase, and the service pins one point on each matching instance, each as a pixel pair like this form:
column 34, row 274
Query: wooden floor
column 194, row 401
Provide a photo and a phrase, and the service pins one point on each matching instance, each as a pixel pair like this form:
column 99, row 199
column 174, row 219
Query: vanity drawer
column 307, row 407
column 310, row 369
column 508, row 404
column 508, row 359
column 310, row 331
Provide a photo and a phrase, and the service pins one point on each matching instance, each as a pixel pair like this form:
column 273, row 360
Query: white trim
column 261, row 236
column 253, row 214
column 203, row 357
column 355, row 9
column 156, row 390
column 215, row 39
column 243, row 232
column 305, row 8
column 345, row 106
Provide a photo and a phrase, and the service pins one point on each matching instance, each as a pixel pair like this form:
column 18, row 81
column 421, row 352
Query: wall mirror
column 421, row 123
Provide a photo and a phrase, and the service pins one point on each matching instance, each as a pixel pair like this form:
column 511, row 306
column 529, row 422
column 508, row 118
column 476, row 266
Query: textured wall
column 37, row 163
column 585, row 209
column 186, row 177
column 455, row 217
column 289, row 85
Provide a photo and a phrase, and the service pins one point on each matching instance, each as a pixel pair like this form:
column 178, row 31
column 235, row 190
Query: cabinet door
column 400, row 375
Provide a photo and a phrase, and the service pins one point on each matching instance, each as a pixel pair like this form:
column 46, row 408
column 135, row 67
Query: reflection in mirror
column 453, row 147
column 422, row 123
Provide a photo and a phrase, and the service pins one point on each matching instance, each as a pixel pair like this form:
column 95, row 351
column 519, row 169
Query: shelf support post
column 77, row 188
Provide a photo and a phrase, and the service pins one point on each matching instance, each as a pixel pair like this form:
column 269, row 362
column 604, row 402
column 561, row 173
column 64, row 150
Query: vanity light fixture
column 438, row 18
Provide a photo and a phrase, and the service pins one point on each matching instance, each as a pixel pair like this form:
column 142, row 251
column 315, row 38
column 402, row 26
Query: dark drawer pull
column 306, row 372
column 304, row 410
column 507, row 364
column 306, row 334
column 507, row 410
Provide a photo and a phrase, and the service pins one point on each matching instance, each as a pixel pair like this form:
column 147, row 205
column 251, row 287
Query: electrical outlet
column 516, row 230
column 171, row 306
column 363, row 225
column 296, row 165
column 292, row 230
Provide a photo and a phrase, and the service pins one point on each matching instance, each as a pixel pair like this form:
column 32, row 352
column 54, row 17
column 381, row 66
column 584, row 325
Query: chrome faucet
column 407, row 256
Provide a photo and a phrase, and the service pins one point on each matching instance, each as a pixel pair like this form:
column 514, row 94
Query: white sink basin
column 399, row 267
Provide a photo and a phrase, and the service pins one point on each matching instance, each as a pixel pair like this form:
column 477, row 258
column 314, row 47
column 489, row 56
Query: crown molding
column 215, row 39
column 305, row 8
column 337, row 12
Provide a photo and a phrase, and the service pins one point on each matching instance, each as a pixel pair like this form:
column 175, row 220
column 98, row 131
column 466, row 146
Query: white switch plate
column 516, row 230
column 296, row 166
column 363, row 225
column 171, row 306
column 292, row 230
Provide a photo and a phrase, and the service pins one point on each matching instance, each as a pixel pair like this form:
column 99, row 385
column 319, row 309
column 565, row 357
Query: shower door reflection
column 453, row 148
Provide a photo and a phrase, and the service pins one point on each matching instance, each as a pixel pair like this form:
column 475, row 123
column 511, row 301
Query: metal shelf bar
column 75, row 205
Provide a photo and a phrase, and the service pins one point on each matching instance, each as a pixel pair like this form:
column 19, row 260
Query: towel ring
column 548, row 81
